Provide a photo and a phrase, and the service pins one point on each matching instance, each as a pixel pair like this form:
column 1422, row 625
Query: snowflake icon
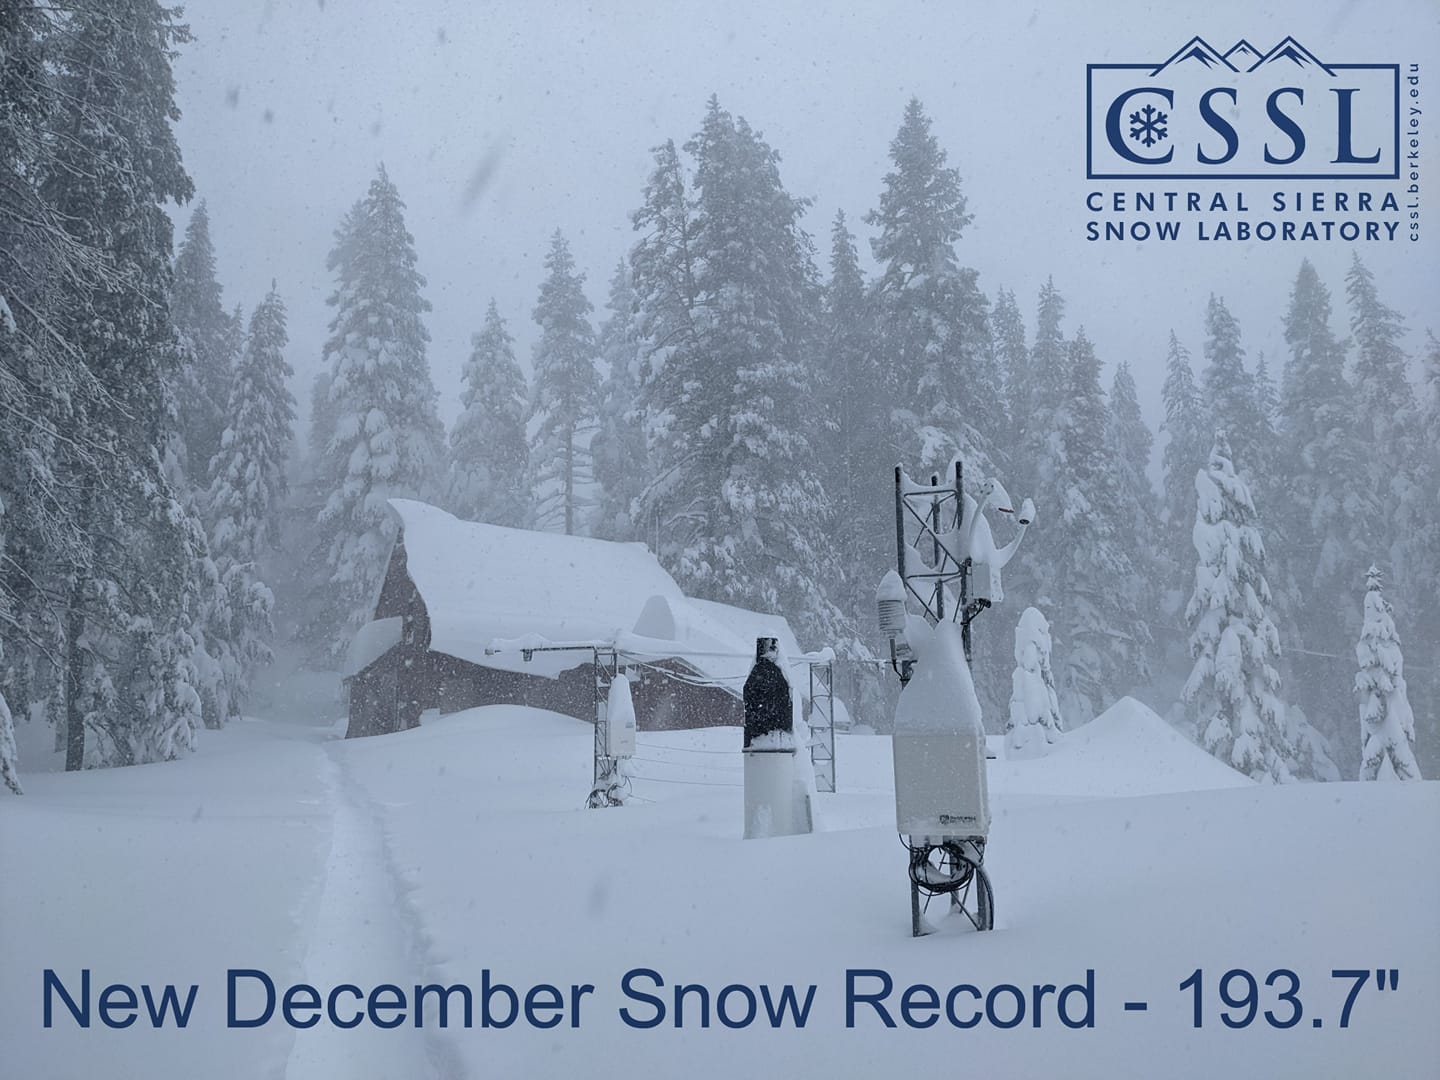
column 1148, row 125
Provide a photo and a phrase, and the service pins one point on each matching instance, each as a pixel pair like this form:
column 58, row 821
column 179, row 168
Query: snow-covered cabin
column 464, row 606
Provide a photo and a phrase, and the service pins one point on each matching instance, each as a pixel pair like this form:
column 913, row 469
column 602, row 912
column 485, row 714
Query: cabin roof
column 485, row 586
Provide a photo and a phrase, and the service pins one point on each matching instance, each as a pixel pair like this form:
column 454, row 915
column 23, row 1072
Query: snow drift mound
column 1126, row 750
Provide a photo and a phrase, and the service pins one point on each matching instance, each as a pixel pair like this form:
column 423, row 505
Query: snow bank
column 1126, row 750
column 1077, row 885
column 434, row 855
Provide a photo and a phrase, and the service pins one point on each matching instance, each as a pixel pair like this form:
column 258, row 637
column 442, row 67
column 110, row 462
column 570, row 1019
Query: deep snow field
column 434, row 855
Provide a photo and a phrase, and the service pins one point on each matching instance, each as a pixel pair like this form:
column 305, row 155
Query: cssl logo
column 1242, row 115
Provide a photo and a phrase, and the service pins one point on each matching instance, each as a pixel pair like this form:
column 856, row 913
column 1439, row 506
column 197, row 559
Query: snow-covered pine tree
column 1267, row 398
column 1035, row 458
column 322, row 415
column 1036, row 461
column 210, row 337
column 931, row 337
column 565, row 398
column 1233, row 692
column 662, row 264
column 856, row 444
column 1104, row 638
column 1387, row 726
column 675, row 390
column 1078, row 568
column 489, row 470
column 727, row 294
column 1034, row 707
column 387, row 441
column 1385, row 414
column 24, row 104
column 301, row 608
column 1267, row 408
column 1229, row 390
column 247, row 488
column 933, row 332
column 45, row 383
column 1013, row 355
column 1190, row 432
column 1137, row 509
column 1320, row 480
column 621, row 465
column 1049, row 369
column 130, row 597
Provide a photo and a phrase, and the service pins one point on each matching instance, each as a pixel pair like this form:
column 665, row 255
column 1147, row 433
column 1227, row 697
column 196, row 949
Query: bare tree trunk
column 74, row 677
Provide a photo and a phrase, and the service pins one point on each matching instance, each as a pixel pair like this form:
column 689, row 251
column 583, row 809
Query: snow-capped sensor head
column 890, row 603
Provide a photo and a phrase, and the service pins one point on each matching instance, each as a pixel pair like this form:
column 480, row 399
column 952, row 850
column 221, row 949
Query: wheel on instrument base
column 954, row 868
column 984, row 900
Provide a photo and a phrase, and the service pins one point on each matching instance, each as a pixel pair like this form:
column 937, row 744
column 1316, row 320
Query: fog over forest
column 697, row 281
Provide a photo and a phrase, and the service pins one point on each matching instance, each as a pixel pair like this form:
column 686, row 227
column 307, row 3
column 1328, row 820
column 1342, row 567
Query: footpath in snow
column 459, row 853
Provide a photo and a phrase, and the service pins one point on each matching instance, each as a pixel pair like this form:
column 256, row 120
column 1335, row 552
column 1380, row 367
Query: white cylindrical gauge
column 890, row 601
column 620, row 726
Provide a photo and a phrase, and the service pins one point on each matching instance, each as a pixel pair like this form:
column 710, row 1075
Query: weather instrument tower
column 947, row 571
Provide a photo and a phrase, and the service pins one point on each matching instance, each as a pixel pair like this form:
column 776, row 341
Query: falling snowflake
column 1148, row 125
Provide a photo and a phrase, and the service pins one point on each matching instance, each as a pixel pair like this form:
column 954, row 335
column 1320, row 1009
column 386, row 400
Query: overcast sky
column 290, row 105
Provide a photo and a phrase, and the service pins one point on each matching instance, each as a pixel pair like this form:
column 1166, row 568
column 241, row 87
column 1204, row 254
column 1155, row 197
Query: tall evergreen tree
column 1267, row 398
column 663, row 274
column 1137, row 510
column 1013, row 356
column 1104, row 636
column 1385, row 416
column 1230, row 391
column 210, row 337
column 856, row 443
column 565, row 400
column 130, row 654
column 1321, row 519
column 302, row 609
column 726, row 288
column 621, row 466
column 247, row 487
column 248, row 480
column 1266, row 474
column 1233, row 691
column 675, row 384
column 1189, row 430
column 387, row 441
column 1039, row 460
column 489, row 471
column 37, row 374
column 322, row 415
column 1387, row 725
column 934, row 332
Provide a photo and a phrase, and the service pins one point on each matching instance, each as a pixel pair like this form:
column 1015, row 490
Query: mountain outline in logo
column 1200, row 51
